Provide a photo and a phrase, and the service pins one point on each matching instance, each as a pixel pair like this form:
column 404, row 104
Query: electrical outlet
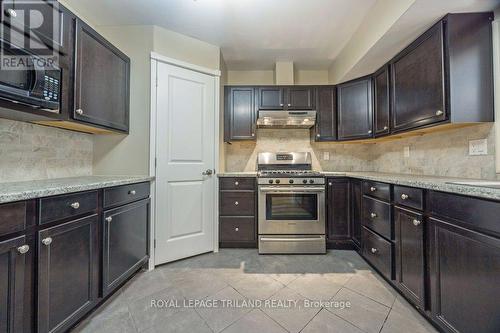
column 406, row 151
column 478, row 147
column 326, row 156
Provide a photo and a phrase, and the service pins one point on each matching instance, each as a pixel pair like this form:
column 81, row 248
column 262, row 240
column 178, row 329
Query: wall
column 311, row 77
column 30, row 152
column 223, row 82
column 496, row 65
column 440, row 154
column 257, row 77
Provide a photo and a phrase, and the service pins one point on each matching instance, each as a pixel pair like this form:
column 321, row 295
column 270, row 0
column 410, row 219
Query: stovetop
column 288, row 174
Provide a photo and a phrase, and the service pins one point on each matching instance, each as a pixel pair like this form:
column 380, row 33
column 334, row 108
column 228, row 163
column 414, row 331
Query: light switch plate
column 406, row 151
column 326, row 156
column 478, row 147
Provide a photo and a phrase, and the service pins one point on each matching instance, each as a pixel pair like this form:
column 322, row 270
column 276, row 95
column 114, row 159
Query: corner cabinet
column 240, row 113
column 102, row 81
column 338, row 224
column 355, row 109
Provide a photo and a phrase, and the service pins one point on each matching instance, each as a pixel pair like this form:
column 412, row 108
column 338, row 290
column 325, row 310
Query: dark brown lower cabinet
column 13, row 266
column 338, row 226
column 125, row 243
column 356, row 198
column 410, row 252
column 68, row 273
column 378, row 252
column 464, row 268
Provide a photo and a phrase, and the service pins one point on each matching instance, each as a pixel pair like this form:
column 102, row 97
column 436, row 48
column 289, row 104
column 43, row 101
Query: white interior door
column 185, row 150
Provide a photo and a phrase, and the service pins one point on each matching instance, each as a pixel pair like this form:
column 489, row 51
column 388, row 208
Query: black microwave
column 36, row 85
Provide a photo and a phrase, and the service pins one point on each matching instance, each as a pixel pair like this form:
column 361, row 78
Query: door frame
column 155, row 59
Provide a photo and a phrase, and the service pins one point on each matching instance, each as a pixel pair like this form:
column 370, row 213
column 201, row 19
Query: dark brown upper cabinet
column 240, row 114
column 271, row 98
column 102, row 81
column 355, row 110
column 445, row 75
column 326, row 117
column 299, row 98
column 381, row 102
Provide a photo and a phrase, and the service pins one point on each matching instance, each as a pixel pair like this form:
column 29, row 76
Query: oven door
column 291, row 210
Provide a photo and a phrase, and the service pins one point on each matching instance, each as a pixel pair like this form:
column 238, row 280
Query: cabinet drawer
column 68, row 205
column 237, row 204
column 121, row 195
column 377, row 216
column 409, row 196
column 233, row 229
column 378, row 252
column 378, row 190
column 12, row 217
column 237, row 184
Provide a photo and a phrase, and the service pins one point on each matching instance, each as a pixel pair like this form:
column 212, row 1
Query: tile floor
column 288, row 283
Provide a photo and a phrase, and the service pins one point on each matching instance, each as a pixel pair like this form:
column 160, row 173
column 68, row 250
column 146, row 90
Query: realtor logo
column 30, row 34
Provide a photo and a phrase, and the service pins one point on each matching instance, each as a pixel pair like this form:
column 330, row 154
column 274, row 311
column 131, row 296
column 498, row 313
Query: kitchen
column 201, row 166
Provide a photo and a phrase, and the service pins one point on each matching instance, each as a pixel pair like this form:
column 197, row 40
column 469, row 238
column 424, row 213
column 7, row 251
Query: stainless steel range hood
column 286, row 119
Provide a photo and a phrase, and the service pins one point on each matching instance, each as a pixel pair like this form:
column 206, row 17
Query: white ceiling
column 254, row 34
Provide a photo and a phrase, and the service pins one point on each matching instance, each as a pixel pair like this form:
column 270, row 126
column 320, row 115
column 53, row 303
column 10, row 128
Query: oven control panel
column 291, row 181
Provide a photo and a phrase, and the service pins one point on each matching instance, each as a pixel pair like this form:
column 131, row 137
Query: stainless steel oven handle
column 294, row 190
column 309, row 239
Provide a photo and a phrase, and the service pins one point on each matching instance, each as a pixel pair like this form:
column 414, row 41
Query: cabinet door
column 271, row 98
column 464, row 269
column 326, row 119
column 355, row 109
column 410, row 251
column 125, row 243
column 68, row 273
column 300, row 98
column 12, row 287
column 101, row 81
column 338, row 224
column 240, row 114
column 356, row 209
column 381, row 104
column 418, row 84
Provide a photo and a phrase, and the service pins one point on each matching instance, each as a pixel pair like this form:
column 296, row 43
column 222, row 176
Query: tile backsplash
column 29, row 152
column 441, row 154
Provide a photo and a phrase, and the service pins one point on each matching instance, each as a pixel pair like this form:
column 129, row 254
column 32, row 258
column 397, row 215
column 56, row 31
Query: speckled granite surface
column 427, row 182
column 17, row 191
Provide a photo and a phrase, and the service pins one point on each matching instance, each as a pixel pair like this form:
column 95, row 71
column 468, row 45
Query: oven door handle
column 295, row 190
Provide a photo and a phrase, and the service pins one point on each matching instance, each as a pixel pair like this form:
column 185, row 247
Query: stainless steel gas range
column 291, row 204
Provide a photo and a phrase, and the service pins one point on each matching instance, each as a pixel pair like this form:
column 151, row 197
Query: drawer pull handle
column 374, row 250
column 386, row 128
column 373, row 215
column 132, row 192
column 79, row 112
column 370, row 132
column 404, row 196
column 236, row 229
column 75, row 205
column 109, row 219
column 47, row 241
column 318, row 135
column 236, row 183
column 23, row 249
column 330, row 184
column 236, row 203
column 373, row 188
column 416, row 222
column 439, row 113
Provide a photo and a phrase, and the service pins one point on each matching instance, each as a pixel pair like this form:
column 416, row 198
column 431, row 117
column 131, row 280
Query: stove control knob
column 291, row 181
column 305, row 181
column 270, row 181
column 311, row 181
column 277, row 181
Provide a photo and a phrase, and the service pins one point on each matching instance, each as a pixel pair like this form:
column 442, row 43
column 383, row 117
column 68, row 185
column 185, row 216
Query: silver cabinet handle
column 281, row 104
column 75, row 205
column 23, row 249
column 79, row 111
column 10, row 12
column 133, row 192
column 374, row 250
column 236, row 229
column 404, row 196
column 109, row 219
column 208, row 172
column 289, row 104
column 373, row 188
column 318, row 135
column 236, row 183
column 236, row 203
column 439, row 113
column 253, row 134
column 47, row 241
column 416, row 222
column 386, row 128
column 330, row 184
column 370, row 132
column 373, row 215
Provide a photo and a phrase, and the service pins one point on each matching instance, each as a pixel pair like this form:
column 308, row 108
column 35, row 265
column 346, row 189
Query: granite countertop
column 17, row 191
column 426, row 182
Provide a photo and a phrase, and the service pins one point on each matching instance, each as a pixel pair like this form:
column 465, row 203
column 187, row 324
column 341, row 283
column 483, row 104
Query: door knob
column 47, row 241
column 23, row 249
column 208, row 172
